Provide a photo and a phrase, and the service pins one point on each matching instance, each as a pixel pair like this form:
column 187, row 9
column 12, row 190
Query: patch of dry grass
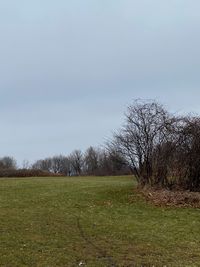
column 162, row 197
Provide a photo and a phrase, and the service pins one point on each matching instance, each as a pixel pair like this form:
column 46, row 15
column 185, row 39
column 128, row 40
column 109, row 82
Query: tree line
column 157, row 147
column 92, row 162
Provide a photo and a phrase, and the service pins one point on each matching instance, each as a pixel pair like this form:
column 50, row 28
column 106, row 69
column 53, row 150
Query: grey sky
column 69, row 68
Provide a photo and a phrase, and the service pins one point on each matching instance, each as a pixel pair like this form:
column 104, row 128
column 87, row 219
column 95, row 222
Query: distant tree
column 91, row 164
column 118, row 163
column 56, row 164
column 26, row 164
column 76, row 161
column 61, row 164
column 8, row 163
column 66, row 166
column 43, row 164
column 104, row 163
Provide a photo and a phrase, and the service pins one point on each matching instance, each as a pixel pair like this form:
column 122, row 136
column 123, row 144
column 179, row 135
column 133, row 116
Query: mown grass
column 92, row 222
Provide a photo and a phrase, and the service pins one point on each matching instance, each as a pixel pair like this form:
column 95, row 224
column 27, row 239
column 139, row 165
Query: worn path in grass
column 92, row 222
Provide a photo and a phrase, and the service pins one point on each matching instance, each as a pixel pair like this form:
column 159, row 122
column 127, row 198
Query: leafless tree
column 145, row 128
column 43, row 164
column 188, row 154
column 57, row 164
column 76, row 161
column 91, row 161
column 61, row 164
column 8, row 163
column 26, row 164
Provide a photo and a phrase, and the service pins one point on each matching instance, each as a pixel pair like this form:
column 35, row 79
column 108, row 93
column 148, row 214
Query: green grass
column 51, row 222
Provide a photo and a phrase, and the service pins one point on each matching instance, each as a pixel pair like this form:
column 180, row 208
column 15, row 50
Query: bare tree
column 56, row 164
column 8, row 163
column 188, row 154
column 76, row 161
column 26, row 164
column 145, row 128
column 91, row 161
column 61, row 164
column 43, row 164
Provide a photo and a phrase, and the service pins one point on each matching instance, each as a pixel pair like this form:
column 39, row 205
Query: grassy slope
column 97, row 221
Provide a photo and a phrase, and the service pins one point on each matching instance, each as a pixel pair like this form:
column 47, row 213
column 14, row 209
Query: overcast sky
column 69, row 68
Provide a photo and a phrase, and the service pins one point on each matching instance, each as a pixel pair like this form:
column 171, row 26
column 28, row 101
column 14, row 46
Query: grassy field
column 92, row 222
